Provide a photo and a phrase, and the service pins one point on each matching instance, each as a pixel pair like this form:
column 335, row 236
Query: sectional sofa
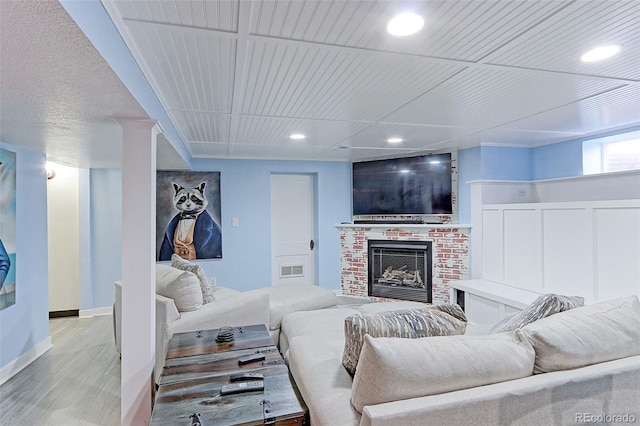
column 180, row 306
column 574, row 367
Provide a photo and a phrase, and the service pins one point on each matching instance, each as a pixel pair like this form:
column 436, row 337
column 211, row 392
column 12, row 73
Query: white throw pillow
column 588, row 335
column 185, row 265
column 181, row 286
column 391, row 369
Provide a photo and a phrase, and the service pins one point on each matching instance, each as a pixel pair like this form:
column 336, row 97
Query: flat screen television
column 403, row 186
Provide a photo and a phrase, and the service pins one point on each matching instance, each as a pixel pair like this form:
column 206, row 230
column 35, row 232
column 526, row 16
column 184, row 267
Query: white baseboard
column 15, row 366
column 95, row 312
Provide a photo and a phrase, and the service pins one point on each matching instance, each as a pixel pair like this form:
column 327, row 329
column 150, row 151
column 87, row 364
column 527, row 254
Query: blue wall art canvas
column 188, row 212
column 7, row 228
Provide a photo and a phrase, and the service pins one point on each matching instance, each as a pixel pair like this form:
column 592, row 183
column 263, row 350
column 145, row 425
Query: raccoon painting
column 192, row 233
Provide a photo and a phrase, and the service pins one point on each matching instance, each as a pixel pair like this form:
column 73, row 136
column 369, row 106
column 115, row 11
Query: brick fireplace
column 449, row 253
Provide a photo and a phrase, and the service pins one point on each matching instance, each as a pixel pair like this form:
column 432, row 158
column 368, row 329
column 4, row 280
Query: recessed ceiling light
column 297, row 136
column 601, row 52
column 405, row 24
column 394, row 140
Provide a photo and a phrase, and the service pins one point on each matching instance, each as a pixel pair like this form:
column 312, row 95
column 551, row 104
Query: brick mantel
column 450, row 253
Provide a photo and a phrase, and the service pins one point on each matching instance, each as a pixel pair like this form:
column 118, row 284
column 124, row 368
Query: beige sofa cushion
column 372, row 308
column 288, row 298
column 393, row 369
column 181, row 286
column 324, row 385
column 185, row 265
column 591, row 334
column 431, row 320
column 544, row 306
column 322, row 324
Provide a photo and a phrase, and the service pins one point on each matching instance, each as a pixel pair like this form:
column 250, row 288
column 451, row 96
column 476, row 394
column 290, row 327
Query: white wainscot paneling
column 521, row 248
column 617, row 237
column 567, row 248
column 491, row 247
column 482, row 311
column 584, row 248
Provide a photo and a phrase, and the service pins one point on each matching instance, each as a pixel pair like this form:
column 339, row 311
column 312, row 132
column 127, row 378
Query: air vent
column 291, row 271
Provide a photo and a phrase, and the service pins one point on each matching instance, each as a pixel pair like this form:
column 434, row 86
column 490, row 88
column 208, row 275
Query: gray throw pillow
column 433, row 320
column 543, row 306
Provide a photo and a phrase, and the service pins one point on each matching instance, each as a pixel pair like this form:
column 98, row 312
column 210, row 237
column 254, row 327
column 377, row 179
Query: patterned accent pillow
column 433, row 320
column 543, row 306
column 185, row 265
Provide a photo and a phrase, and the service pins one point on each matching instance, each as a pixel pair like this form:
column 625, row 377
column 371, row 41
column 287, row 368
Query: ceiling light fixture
column 600, row 53
column 297, row 136
column 394, row 140
column 405, row 24
column 51, row 173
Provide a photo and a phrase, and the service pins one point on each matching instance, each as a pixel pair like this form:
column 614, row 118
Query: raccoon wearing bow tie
column 192, row 233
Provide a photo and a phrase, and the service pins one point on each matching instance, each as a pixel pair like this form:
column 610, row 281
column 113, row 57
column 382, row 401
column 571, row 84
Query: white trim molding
column 96, row 312
column 15, row 366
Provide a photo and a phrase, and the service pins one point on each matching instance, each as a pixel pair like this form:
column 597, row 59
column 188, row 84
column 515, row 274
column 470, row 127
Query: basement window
column 614, row 153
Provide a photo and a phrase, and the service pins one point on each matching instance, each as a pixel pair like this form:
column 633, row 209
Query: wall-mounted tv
column 403, row 186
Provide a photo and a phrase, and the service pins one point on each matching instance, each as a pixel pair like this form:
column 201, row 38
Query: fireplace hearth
column 400, row 270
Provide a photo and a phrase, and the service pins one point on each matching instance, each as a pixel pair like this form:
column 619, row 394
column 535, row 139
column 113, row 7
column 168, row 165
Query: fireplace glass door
column 400, row 270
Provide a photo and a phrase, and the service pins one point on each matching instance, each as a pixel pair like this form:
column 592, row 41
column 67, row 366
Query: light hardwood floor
column 77, row 382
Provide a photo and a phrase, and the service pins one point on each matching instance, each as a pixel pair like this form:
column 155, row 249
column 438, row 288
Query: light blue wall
column 26, row 324
column 506, row 163
column 469, row 169
column 246, row 262
column 245, row 192
column 106, row 235
column 558, row 160
column 489, row 163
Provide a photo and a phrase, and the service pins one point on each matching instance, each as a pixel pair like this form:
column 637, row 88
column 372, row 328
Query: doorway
column 293, row 222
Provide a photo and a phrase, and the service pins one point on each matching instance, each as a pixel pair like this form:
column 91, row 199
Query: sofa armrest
column 166, row 311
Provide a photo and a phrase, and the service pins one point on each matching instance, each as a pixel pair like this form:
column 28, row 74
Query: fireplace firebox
column 400, row 269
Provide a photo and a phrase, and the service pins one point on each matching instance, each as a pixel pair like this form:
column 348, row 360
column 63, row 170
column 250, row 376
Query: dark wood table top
column 218, row 364
column 197, row 367
column 204, row 341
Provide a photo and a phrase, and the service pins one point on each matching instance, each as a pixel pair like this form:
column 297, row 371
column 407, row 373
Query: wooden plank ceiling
column 238, row 77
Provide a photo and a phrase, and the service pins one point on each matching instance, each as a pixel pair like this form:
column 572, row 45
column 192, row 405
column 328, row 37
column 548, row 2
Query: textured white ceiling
column 57, row 94
column 237, row 77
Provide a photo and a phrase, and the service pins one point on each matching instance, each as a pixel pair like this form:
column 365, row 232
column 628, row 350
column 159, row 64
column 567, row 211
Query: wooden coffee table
column 197, row 367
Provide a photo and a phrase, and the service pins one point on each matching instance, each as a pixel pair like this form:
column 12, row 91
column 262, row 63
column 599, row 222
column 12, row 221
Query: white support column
column 138, row 269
